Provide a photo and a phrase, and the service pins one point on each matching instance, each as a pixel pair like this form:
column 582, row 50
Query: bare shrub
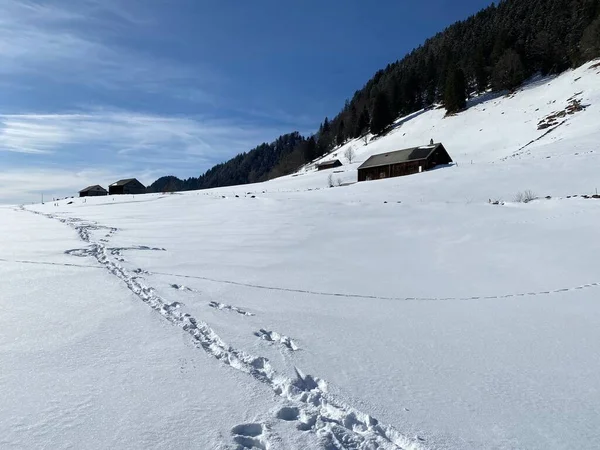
column 525, row 197
column 350, row 154
column 339, row 182
column 330, row 180
column 529, row 196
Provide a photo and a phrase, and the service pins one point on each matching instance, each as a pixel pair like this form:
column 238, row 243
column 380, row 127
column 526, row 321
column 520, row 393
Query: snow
column 403, row 313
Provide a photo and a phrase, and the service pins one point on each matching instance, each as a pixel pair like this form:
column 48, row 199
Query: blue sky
column 94, row 90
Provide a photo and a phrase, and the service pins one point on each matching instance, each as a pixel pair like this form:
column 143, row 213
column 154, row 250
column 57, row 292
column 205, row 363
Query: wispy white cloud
column 75, row 45
column 23, row 136
column 61, row 153
column 129, row 135
column 84, row 47
column 117, row 9
column 19, row 186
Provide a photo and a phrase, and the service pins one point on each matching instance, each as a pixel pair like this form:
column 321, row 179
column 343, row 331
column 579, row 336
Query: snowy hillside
column 407, row 313
column 494, row 129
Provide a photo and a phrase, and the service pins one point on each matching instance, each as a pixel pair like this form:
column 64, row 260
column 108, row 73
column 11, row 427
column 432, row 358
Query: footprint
column 307, row 420
column 180, row 287
column 249, row 436
column 288, row 414
column 79, row 252
column 171, row 306
column 245, row 442
column 273, row 336
column 248, row 429
column 224, row 307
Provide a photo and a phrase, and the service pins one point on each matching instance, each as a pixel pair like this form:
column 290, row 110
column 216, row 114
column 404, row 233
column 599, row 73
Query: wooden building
column 127, row 186
column 329, row 164
column 403, row 162
column 93, row 191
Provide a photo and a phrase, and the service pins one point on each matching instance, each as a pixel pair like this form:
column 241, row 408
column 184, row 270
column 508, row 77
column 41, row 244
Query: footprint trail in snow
column 337, row 424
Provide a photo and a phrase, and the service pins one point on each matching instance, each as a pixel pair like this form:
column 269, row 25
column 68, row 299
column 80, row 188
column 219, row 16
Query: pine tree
column 430, row 80
column 325, row 137
column 339, row 138
column 482, row 78
column 352, row 123
column 542, row 54
column 455, row 92
column 381, row 117
column 310, row 149
column 363, row 123
column 508, row 71
column 590, row 42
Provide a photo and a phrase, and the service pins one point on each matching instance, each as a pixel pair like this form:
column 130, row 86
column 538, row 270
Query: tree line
column 498, row 48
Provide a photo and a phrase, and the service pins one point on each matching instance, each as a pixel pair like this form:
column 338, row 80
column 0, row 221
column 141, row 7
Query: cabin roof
column 124, row 182
column 95, row 187
column 400, row 156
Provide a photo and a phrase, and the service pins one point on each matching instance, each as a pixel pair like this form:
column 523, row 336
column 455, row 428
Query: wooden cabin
column 93, row 191
column 127, row 186
column 403, row 162
column 329, row 164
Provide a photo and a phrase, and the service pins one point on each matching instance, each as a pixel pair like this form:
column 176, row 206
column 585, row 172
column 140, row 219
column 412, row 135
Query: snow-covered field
column 408, row 313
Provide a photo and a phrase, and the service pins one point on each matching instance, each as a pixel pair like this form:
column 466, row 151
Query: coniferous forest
column 497, row 48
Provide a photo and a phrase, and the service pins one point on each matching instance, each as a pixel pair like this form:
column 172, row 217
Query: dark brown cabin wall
column 115, row 190
column 407, row 168
column 92, row 193
column 134, row 188
column 374, row 173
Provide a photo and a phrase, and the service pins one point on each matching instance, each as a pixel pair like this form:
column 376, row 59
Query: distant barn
column 127, row 186
column 329, row 164
column 403, row 162
column 93, row 191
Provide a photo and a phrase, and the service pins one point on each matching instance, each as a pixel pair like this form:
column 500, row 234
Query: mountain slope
column 494, row 131
column 256, row 165
column 501, row 46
